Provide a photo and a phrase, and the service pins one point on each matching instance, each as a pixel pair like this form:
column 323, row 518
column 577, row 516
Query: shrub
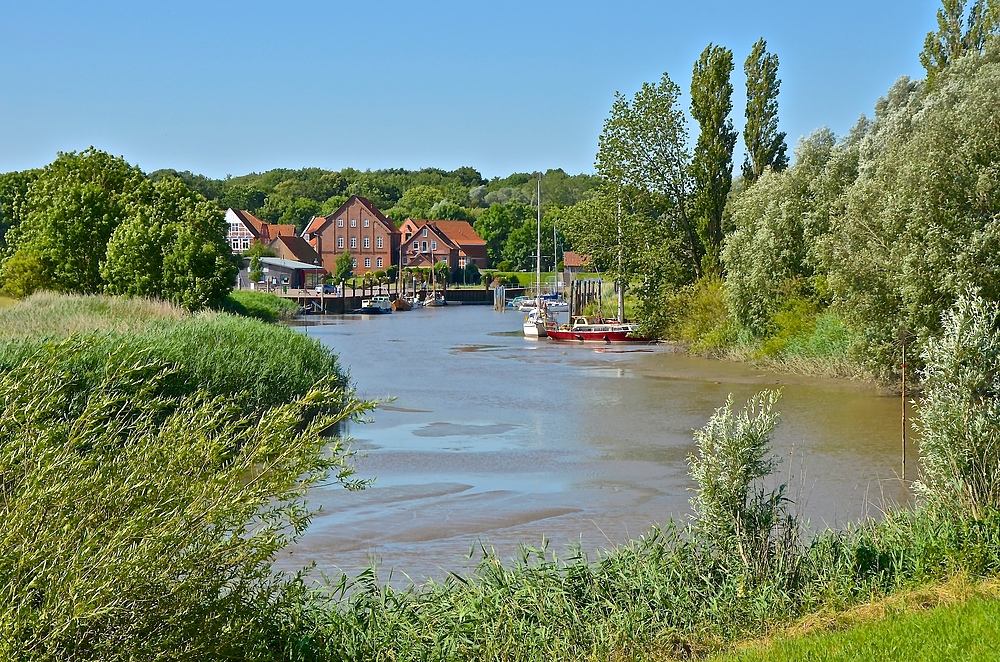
column 138, row 525
column 260, row 305
column 959, row 415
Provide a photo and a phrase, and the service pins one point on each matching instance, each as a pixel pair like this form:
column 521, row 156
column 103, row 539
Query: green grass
column 964, row 631
column 261, row 305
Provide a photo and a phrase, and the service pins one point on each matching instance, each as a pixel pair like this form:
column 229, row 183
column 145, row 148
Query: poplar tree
column 943, row 47
column 765, row 145
column 712, row 164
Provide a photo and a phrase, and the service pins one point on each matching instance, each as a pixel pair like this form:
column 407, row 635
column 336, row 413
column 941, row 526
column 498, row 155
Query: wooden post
column 902, row 338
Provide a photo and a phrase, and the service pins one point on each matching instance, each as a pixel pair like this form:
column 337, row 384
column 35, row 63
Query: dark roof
column 298, row 247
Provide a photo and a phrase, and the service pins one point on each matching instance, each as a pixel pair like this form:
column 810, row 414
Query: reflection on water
column 496, row 439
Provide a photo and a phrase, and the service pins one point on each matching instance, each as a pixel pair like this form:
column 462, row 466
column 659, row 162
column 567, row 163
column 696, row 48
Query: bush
column 139, row 525
column 959, row 415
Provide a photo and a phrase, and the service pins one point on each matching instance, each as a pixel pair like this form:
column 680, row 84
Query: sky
column 228, row 88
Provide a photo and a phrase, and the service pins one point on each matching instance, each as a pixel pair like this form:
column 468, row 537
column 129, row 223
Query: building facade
column 244, row 228
column 425, row 243
column 358, row 228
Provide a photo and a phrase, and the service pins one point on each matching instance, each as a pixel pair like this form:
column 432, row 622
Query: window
column 340, row 242
column 367, row 242
column 354, row 242
column 425, row 232
column 434, row 245
column 340, row 222
column 368, row 263
column 378, row 242
column 378, row 263
column 367, row 222
column 406, row 260
column 423, row 245
column 415, row 247
column 354, row 263
column 354, row 222
column 461, row 262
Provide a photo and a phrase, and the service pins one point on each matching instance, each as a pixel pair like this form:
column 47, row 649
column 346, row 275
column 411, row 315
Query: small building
column 574, row 263
column 294, row 248
column 245, row 228
column 425, row 243
column 279, row 274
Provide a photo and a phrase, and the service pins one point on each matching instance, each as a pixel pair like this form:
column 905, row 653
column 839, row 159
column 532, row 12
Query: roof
column 298, row 247
column 289, row 264
column 284, row 230
column 249, row 220
column 573, row 259
column 457, row 233
column 317, row 222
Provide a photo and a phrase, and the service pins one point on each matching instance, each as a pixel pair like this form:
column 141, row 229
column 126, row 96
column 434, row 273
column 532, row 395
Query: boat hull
column 594, row 335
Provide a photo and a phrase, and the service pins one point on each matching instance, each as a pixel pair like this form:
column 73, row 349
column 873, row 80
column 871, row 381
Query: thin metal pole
column 903, row 403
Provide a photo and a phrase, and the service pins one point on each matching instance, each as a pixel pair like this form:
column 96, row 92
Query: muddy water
column 495, row 439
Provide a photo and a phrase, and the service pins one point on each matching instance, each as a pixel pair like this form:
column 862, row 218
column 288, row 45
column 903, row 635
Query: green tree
column 72, row 209
column 343, row 268
column 953, row 39
column 712, row 164
column 765, row 145
column 642, row 154
column 172, row 246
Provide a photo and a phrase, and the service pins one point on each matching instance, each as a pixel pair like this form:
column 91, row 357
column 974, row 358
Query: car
column 326, row 288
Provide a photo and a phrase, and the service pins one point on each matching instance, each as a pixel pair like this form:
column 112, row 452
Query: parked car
column 326, row 288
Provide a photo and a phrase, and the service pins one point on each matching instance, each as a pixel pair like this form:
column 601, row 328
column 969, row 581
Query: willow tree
column 765, row 145
column 712, row 165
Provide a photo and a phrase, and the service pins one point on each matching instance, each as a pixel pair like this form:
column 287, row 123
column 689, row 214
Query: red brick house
column 245, row 228
column 359, row 228
column 425, row 243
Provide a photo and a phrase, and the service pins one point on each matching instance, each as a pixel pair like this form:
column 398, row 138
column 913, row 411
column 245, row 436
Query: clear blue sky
column 239, row 87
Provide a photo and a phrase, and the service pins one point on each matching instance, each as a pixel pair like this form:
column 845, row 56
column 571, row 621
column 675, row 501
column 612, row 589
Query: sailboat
column 534, row 321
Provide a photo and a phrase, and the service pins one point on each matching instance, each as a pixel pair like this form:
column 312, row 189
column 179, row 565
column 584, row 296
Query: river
column 500, row 440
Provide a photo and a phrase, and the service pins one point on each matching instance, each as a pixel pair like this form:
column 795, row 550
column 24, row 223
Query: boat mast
column 621, row 280
column 538, row 250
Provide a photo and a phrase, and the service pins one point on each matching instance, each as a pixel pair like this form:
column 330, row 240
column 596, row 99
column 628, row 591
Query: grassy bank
column 261, row 305
column 952, row 621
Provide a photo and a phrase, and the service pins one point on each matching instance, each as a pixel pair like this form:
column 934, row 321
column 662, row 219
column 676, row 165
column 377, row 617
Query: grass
column 952, row 621
column 253, row 363
column 261, row 305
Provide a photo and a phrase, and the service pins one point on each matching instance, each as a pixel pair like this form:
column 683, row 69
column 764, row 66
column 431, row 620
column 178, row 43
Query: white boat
column 435, row 299
column 535, row 322
column 376, row 305
column 558, row 305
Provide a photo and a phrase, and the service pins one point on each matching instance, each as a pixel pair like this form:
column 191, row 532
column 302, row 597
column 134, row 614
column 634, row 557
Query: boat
column 582, row 328
column 536, row 321
column 376, row 305
column 435, row 299
column 401, row 304
column 413, row 300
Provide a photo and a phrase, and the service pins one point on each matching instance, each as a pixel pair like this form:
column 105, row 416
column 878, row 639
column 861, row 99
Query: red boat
column 594, row 329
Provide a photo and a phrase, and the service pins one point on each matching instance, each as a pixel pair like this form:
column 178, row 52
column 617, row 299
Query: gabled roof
column 318, row 222
column 253, row 223
column 454, row 233
column 298, row 248
column 573, row 259
column 283, row 230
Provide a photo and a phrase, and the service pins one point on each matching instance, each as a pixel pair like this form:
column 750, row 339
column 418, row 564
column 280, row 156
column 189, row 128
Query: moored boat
column 376, row 305
column 535, row 323
column 435, row 299
column 401, row 304
column 594, row 329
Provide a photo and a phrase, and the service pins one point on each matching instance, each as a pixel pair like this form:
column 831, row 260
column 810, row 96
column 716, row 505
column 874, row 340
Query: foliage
column 260, row 305
column 712, row 162
column 765, row 145
column 959, row 414
column 139, row 525
column 642, row 157
column 951, row 41
column 343, row 268
column 735, row 514
column 920, row 225
column 495, row 225
column 170, row 245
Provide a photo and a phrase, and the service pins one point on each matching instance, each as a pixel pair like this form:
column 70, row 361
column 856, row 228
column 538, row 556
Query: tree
column 343, row 268
column 950, row 42
column 642, row 154
column 172, row 246
column 765, row 145
column 496, row 223
column 712, row 164
column 72, row 209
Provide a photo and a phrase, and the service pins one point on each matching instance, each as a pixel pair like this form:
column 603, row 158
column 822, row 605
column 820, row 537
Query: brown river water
column 500, row 440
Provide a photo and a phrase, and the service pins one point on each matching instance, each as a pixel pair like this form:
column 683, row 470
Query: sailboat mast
column 538, row 250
